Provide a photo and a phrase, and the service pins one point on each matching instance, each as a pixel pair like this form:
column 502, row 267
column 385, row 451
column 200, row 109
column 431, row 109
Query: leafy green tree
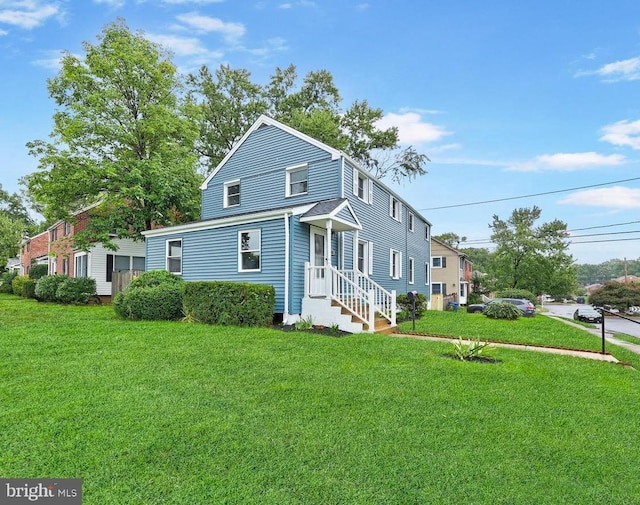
column 451, row 239
column 531, row 257
column 121, row 136
column 11, row 231
column 479, row 256
column 617, row 294
column 227, row 103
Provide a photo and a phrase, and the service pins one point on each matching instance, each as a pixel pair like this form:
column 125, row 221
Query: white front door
column 318, row 255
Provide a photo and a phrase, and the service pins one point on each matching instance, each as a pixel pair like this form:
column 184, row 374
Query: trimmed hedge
column 405, row 305
column 17, row 284
column 29, row 288
column 47, row 286
column 76, row 290
column 230, row 303
column 38, row 271
column 153, row 303
column 154, row 295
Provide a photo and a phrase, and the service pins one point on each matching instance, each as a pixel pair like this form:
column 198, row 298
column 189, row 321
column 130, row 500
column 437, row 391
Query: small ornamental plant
column 469, row 350
column 502, row 310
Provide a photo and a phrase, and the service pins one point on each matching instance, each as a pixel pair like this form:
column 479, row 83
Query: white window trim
column 76, row 257
column 411, row 224
column 290, row 170
column 398, row 216
column 225, row 202
column 427, row 232
column 167, row 257
column 427, row 273
column 411, row 265
column 367, row 189
column 240, row 232
column 368, row 260
column 392, row 274
column 439, row 266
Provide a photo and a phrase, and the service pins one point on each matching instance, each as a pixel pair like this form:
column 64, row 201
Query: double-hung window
column 249, row 245
column 395, row 208
column 439, row 262
column 365, row 257
column 395, row 264
column 174, row 256
column 411, row 220
column 80, row 268
column 297, row 180
column 411, row 272
column 232, row 193
column 362, row 186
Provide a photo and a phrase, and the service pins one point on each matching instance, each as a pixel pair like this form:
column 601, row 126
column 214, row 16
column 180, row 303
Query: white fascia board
column 211, row 224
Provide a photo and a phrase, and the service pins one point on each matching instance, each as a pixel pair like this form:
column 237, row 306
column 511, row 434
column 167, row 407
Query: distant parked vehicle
column 588, row 315
column 526, row 307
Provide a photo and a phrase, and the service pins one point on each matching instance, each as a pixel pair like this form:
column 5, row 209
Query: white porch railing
column 357, row 293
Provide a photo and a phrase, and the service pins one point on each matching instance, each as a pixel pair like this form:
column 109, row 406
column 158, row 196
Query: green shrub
column 76, row 290
column 17, row 283
column 152, row 303
column 6, row 280
column 517, row 293
column 502, row 310
column 474, row 297
column 29, row 288
column 38, row 271
column 47, row 287
column 154, row 278
column 405, row 305
column 617, row 294
column 230, row 303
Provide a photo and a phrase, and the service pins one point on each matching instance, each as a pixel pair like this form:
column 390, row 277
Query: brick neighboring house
column 54, row 247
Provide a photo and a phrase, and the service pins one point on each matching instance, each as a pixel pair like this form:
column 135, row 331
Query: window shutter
column 370, row 186
column 444, row 262
column 400, row 265
column 109, row 267
column 390, row 262
column 370, row 251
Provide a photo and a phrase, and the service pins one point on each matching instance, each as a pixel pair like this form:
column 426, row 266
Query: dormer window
column 297, row 180
column 232, row 193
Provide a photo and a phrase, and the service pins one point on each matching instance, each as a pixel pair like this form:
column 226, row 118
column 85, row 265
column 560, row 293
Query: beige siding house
column 450, row 272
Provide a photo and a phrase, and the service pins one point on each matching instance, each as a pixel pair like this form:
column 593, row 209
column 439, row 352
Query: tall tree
column 532, row 257
column 120, row 137
column 11, row 231
column 451, row 239
column 229, row 102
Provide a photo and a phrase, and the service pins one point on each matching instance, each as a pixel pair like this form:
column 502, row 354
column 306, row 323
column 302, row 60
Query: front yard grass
column 176, row 413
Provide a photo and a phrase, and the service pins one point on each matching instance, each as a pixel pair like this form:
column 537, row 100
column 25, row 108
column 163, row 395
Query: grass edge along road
column 183, row 413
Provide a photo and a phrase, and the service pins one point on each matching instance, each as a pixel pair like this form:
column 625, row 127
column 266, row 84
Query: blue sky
column 506, row 98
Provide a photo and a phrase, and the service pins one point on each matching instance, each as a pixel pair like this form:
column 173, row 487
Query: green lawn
column 176, row 413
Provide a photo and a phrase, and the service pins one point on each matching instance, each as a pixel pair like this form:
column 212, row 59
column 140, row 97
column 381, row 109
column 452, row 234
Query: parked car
column 588, row 315
column 526, row 307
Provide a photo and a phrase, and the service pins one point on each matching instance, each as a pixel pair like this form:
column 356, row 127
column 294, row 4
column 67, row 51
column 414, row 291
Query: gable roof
column 452, row 249
column 338, row 210
column 266, row 120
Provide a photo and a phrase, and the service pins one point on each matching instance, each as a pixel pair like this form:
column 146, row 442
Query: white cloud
column 623, row 70
column 3, row 32
column 617, row 197
column 273, row 45
column 623, row 133
column 205, row 24
column 411, row 128
column 566, row 162
column 182, row 2
column 113, row 3
column 183, row 46
column 51, row 59
column 300, row 3
column 27, row 14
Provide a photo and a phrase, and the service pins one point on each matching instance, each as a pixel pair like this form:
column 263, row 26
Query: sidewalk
column 608, row 336
column 523, row 347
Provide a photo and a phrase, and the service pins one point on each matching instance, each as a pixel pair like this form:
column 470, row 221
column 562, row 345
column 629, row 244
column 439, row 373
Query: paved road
column 611, row 324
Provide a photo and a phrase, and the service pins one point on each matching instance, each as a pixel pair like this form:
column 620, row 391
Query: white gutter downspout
column 286, row 267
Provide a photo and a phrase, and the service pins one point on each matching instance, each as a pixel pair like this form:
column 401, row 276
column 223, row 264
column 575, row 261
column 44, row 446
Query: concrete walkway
column 608, row 336
column 552, row 350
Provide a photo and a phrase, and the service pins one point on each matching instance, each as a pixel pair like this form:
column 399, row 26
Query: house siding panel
column 212, row 255
column 386, row 234
column 260, row 163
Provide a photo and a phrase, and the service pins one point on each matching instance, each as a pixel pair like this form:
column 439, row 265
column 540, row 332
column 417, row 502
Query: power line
column 529, row 196
column 598, row 241
column 604, row 226
column 609, row 233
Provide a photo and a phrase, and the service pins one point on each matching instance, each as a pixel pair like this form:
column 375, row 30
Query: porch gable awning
column 336, row 210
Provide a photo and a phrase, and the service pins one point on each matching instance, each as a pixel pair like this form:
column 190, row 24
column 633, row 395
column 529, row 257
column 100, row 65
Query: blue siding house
column 285, row 209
